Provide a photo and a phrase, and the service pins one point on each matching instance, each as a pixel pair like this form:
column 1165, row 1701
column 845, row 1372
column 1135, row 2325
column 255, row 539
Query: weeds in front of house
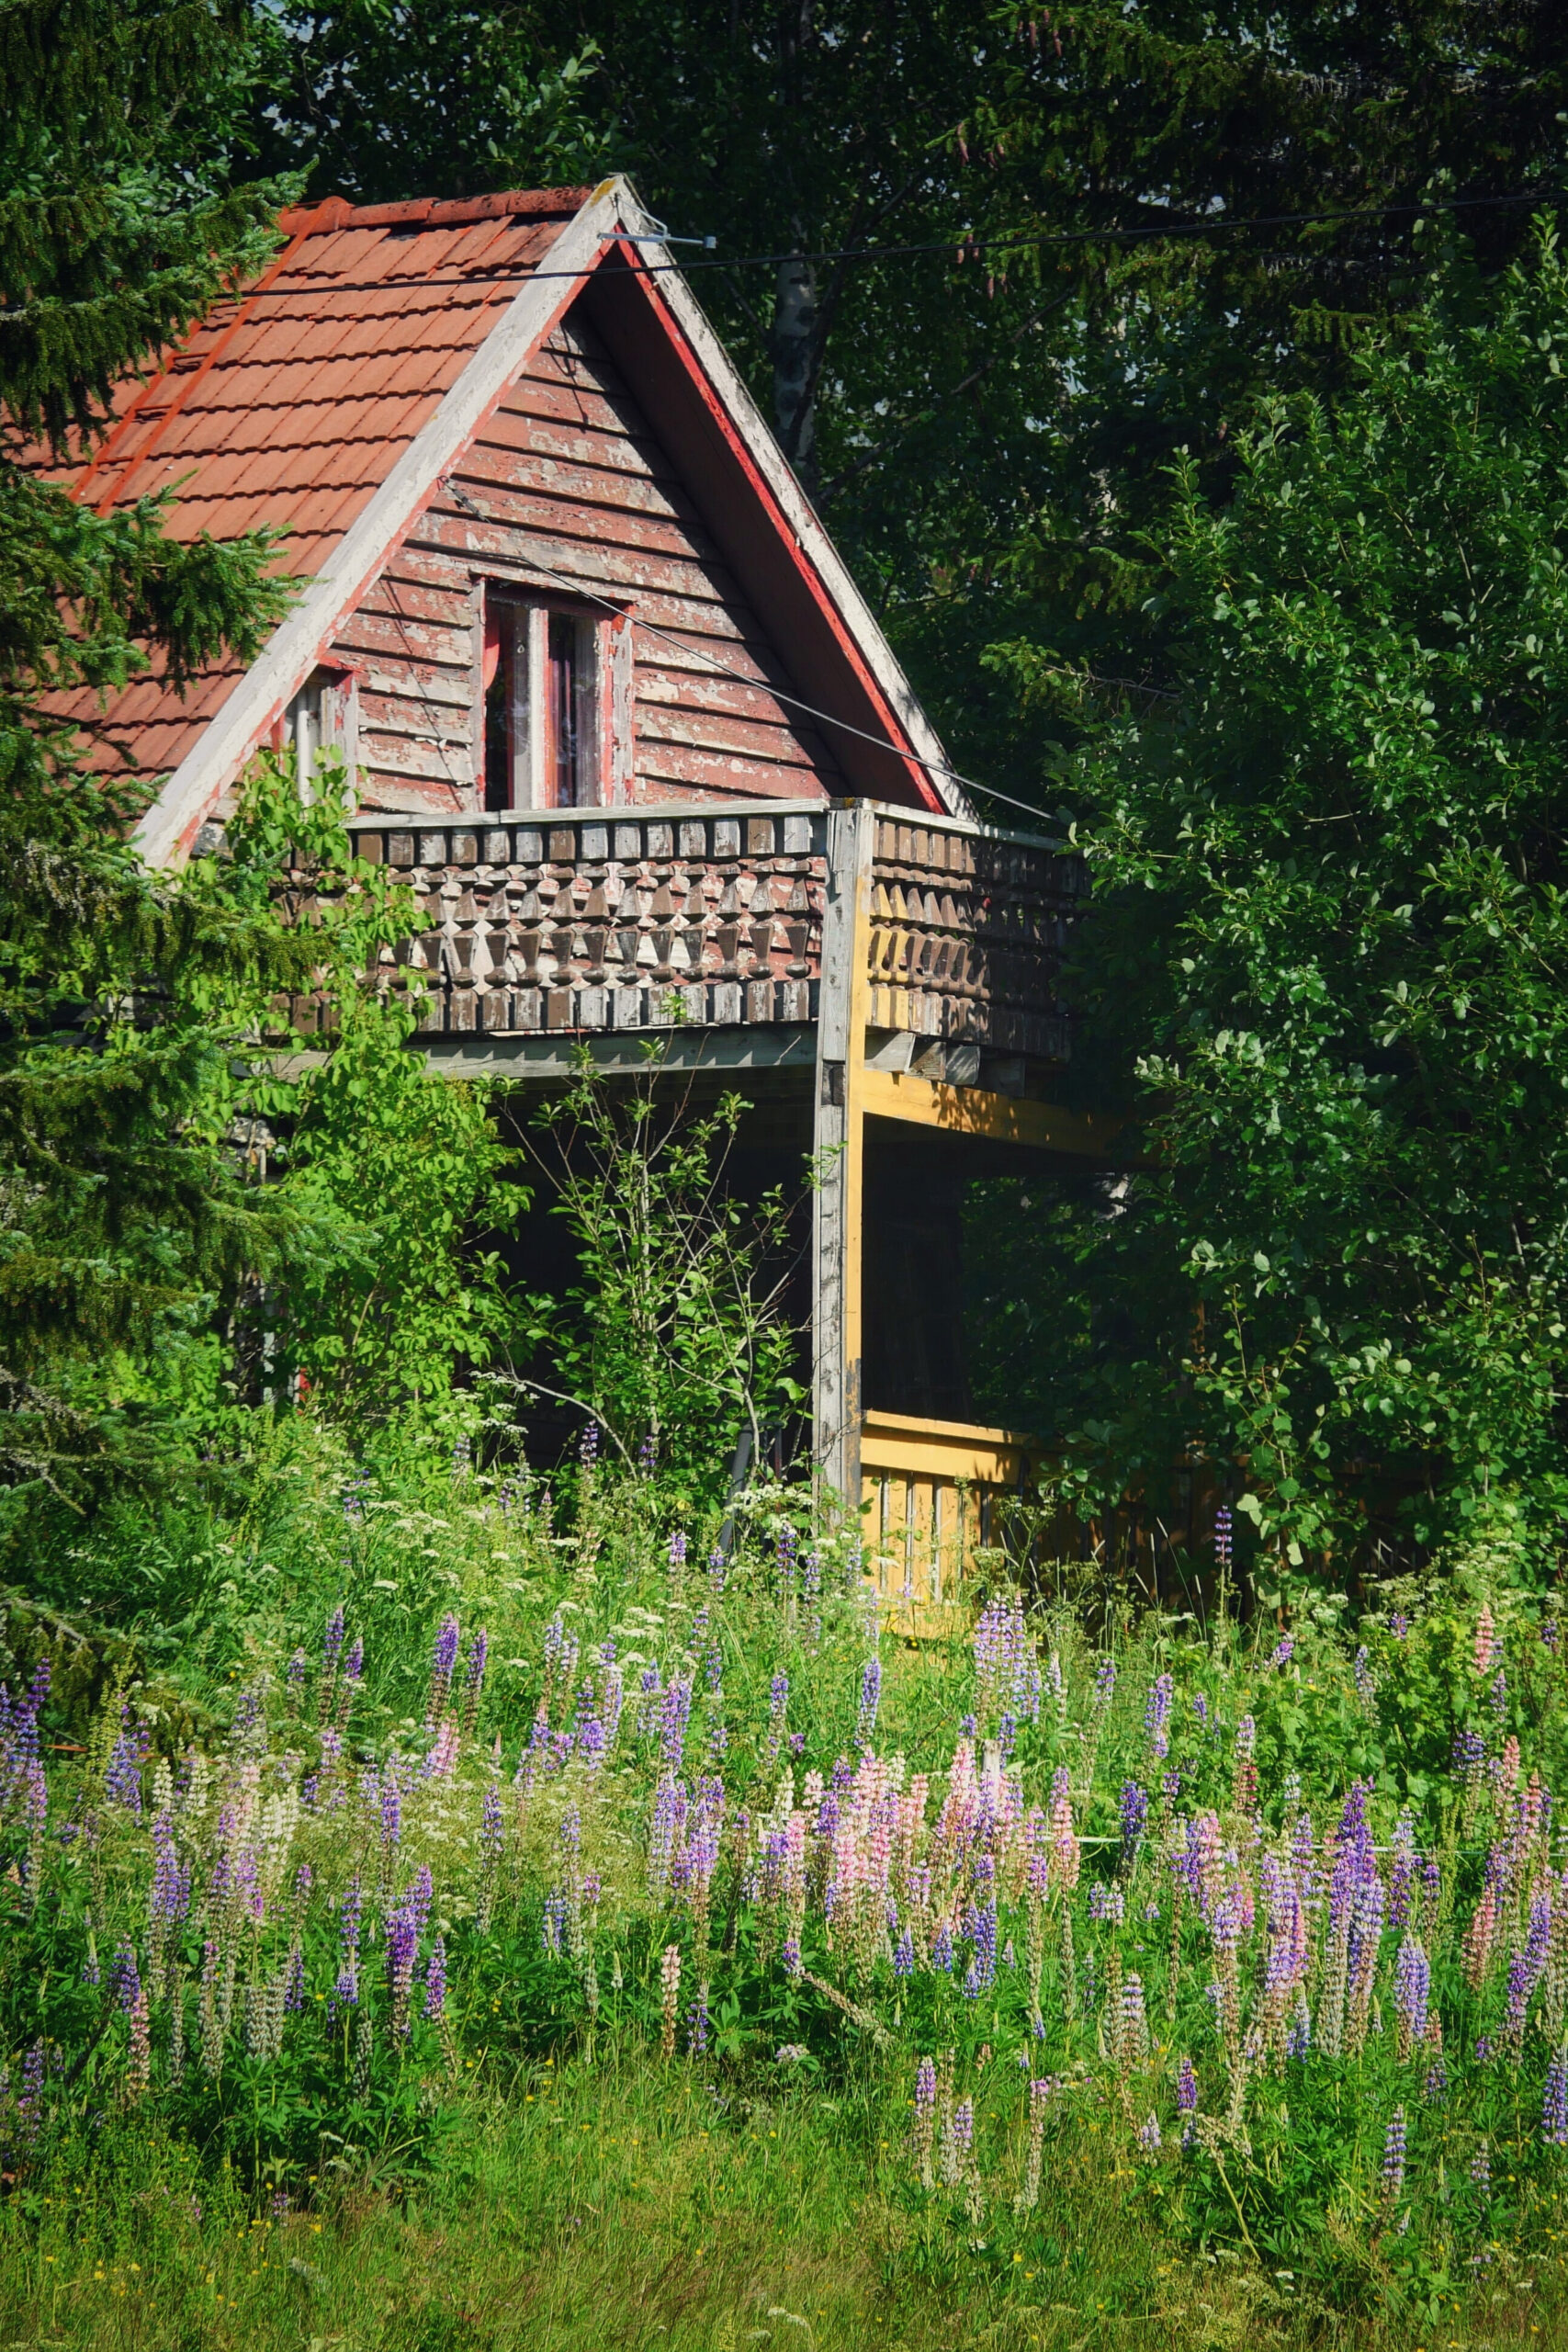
column 538, row 1878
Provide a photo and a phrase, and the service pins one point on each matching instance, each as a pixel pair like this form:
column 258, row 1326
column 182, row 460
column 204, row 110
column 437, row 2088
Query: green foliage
column 672, row 1334
column 1329, row 937
column 536, row 2080
column 384, row 100
column 413, row 1158
column 985, row 422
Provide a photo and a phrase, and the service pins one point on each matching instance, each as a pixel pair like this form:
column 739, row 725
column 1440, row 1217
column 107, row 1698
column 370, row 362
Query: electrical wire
column 964, row 245
column 462, row 498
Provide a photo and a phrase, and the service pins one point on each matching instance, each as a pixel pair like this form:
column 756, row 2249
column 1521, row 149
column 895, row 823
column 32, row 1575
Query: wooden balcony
column 604, row 921
column 895, row 975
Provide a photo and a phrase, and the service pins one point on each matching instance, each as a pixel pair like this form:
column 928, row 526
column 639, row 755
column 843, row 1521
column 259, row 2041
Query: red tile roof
column 293, row 401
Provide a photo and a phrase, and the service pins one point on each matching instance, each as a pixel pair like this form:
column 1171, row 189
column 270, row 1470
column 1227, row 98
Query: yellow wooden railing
column 934, row 1488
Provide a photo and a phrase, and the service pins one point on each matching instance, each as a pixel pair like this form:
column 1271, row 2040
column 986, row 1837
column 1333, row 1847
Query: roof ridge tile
column 430, row 212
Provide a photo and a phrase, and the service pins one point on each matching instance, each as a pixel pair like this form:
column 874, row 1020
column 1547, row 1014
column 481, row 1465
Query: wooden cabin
column 610, row 701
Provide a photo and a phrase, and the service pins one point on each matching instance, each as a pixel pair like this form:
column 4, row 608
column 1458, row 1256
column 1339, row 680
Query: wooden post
column 837, row 1403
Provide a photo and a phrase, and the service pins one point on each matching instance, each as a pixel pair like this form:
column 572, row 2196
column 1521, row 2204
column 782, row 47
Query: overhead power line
column 465, row 500
column 967, row 245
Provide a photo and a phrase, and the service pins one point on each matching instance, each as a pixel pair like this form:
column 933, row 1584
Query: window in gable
column 323, row 717
column 542, row 746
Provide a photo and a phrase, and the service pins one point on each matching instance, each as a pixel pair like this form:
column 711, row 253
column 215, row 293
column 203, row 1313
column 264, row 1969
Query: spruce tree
column 125, row 1212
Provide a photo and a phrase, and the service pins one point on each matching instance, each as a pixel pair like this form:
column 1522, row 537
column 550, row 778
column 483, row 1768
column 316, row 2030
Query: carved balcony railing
column 968, row 933
column 616, row 920
column 611, row 919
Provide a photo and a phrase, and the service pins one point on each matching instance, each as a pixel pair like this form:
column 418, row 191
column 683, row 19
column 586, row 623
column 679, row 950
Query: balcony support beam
column 838, row 1150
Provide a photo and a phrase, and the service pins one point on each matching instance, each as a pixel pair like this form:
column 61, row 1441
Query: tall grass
column 483, row 1923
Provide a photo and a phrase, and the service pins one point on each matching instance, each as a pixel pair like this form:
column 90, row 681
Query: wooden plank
column 603, row 442
column 491, row 468
column 608, row 522
column 979, row 1462
column 838, row 1202
column 973, row 1111
column 678, row 765
column 767, row 738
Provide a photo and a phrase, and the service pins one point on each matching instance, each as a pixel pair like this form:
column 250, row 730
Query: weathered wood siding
column 567, row 475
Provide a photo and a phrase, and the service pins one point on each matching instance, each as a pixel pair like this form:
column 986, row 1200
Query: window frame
column 522, row 666
column 322, row 715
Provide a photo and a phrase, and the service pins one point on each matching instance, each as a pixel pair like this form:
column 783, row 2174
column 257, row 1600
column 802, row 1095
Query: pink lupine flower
column 670, row 1982
column 1479, row 1938
column 1485, row 1639
column 1064, row 1850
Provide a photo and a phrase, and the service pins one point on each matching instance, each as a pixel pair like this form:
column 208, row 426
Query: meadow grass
column 694, row 1960
column 627, row 2207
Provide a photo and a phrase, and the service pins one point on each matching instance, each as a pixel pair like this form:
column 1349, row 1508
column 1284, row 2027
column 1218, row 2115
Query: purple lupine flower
column 479, row 1651
column 490, row 1830
column 354, row 1664
column 1411, row 1988
column 122, row 1779
column 1393, row 2155
column 981, row 1930
column 1399, row 1624
column 784, row 1554
column 170, row 1898
column 716, row 1567
column 1186, row 2089
column 588, row 1444
column 1402, row 1876
column 678, row 1549
column 443, row 1661
column 904, row 1954
column 435, row 1980
column 942, row 1948
column 1134, row 1817
column 1222, row 1532
column 1201, row 1709
column 293, row 1674
column 331, row 1648
column 552, row 1927
column 125, row 1978
column 1156, row 1715
column 811, row 1589
column 1554, row 2099
column 778, row 1701
column 1148, row 2136
column 870, row 1702
column 964, row 2126
column 347, row 1987
column 1481, row 2168
column 673, row 1715
column 668, row 1820
column 1469, row 1754
column 1551, row 1635
column 1104, row 1684
column 925, row 2087
column 1498, row 1693
column 391, row 1807
column 1366, row 1685
column 1284, row 1650
column 294, row 1992
column 402, row 1946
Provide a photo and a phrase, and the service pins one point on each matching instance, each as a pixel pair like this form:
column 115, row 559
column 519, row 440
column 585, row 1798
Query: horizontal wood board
column 573, row 494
